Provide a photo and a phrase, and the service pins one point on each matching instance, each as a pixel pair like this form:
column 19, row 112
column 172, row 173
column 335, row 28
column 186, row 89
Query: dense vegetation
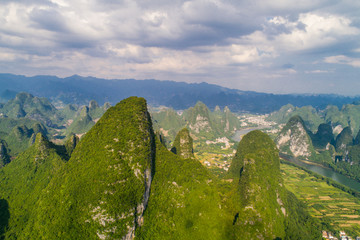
column 23, row 181
column 340, row 152
column 22, row 117
column 121, row 182
column 263, row 199
column 183, row 144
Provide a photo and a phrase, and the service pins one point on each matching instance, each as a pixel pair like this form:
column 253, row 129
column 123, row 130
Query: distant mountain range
column 178, row 95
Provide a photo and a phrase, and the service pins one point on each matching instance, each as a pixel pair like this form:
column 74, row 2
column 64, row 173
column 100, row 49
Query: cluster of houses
column 343, row 236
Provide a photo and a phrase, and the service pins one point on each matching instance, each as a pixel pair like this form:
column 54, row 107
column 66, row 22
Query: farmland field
column 332, row 206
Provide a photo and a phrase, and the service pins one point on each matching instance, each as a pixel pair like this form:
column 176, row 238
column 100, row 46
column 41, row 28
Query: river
column 239, row 133
column 327, row 172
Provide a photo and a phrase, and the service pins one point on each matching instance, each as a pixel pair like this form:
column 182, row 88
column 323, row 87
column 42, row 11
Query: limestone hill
column 122, row 183
column 294, row 139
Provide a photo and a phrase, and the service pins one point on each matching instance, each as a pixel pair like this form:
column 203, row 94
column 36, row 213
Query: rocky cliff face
column 183, row 144
column 122, row 183
column 106, row 183
column 199, row 118
column 294, row 139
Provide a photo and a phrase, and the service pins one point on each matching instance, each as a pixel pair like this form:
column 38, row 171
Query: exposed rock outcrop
column 294, row 139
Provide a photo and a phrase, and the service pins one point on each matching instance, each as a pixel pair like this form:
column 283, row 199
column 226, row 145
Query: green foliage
column 300, row 225
column 82, row 123
column 95, row 111
column 267, row 209
column 344, row 139
column 22, row 182
column 310, row 116
column 334, row 116
column 68, row 112
column 183, row 144
column 323, row 136
column 357, row 138
column 169, row 121
column 4, row 155
column 184, row 202
column 20, row 139
column 71, row 143
column 354, row 154
column 349, row 116
column 257, row 166
column 101, row 189
column 26, row 105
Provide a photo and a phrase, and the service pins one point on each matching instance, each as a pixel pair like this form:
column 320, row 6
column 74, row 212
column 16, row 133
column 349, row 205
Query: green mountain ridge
column 183, row 144
column 122, row 183
column 24, row 116
column 22, row 182
column 200, row 121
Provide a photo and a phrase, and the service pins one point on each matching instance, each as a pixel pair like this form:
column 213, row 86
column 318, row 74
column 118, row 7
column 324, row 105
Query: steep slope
column 103, row 191
column 168, row 123
column 184, row 202
column 104, row 188
column 26, row 105
column 199, row 120
column 344, row 140
column 21, row 137
column 23, row 180
column 310, row 116
column 229, row 122
column 261, row 211
column 264, row 208
column 70, row 144
column 95, row 111
column 323, row 136
column 183, row 144
column 295, row 140
column 82, row 123
column 4, row 155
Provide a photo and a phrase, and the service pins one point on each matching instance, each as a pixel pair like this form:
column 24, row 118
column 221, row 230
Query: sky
column 277, row 46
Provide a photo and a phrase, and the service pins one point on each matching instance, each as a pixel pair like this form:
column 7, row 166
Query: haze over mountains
column 178, row 95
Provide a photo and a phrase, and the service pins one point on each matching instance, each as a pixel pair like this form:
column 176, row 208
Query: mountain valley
column 133, row 171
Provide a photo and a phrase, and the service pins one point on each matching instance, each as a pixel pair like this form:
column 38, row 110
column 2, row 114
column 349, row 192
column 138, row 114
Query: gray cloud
column 48, row 19
column 245, row 44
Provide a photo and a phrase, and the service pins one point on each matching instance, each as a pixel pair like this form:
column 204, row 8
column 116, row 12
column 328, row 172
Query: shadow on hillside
column 4, row 217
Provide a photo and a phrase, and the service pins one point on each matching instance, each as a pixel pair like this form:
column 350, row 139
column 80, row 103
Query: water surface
column 328, row 172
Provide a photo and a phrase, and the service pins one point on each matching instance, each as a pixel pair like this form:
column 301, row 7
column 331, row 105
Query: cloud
column 341, row 59
column 227, row 42
column 316, row 71
column 312, row 31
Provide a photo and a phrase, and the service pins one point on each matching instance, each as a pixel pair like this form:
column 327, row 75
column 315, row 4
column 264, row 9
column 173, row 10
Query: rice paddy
column 327, row 203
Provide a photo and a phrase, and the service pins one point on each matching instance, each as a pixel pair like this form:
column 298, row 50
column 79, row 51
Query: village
column 342, row 236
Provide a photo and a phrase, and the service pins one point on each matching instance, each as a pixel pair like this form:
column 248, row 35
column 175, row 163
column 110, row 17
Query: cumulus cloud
column 341, row 59
column 227, row 42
